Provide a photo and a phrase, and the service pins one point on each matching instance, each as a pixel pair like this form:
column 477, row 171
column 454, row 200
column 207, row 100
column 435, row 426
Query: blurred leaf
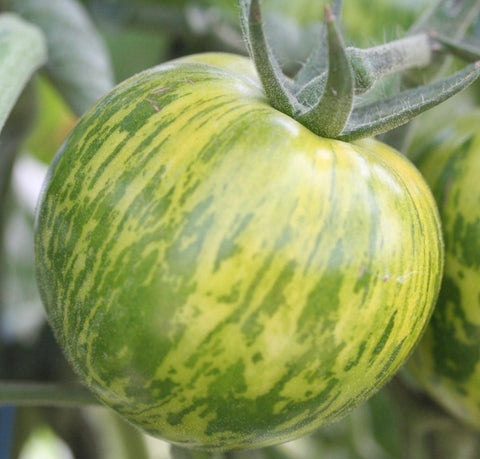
column 54, row 121
column 118, row 439
column 385, row 421
column 131, row 439
column 18, row 124
column 133, row 49
column 176, row 452
column 44, row 444
column 78, row 62
column 16, row 274
column 22, row 51
column 22, row 314
column 372, row 22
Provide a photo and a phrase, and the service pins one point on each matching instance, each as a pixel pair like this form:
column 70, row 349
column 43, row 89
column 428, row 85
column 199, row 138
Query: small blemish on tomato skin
column 362, row 271
column 446, row 191
column 154, row 104
column 402, row 279
column 161, row 90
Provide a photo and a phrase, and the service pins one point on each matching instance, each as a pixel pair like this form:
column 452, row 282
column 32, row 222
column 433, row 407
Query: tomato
column 221, row 276
column 447, row 360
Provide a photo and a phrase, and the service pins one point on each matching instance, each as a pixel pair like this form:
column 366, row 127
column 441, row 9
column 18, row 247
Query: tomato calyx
column 446, row 18
column 461, row 50
column 324, row 95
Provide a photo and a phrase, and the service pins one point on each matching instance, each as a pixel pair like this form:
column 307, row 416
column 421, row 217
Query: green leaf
column 78, row 63
column 22, row 51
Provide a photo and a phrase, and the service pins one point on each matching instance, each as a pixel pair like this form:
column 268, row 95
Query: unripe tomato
column 221, row 276
column 446, row 362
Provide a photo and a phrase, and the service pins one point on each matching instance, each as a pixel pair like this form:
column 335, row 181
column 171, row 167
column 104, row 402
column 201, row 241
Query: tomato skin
column 221, row 276
column 446, row 362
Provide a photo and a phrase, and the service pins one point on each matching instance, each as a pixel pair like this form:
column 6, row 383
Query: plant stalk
column 372, row 64
column 45, row 394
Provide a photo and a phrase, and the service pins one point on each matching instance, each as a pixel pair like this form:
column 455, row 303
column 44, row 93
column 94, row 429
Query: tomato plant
column 225, row 259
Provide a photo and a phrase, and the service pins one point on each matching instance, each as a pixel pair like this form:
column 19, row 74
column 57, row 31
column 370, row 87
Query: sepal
column 379, row 117
column 329, row 115
column 275, row 83
column 316, row 63
column 461, row 50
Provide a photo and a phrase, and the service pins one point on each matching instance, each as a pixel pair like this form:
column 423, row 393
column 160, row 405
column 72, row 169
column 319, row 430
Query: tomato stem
column 322, row 95
column 44, row 394
column 375, row 63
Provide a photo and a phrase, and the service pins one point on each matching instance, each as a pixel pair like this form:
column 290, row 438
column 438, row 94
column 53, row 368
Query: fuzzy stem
column 372, row 64
column 44, row 394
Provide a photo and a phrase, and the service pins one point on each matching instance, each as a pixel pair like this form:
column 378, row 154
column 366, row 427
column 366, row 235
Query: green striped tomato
column 219, row 275
column 447, row 359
